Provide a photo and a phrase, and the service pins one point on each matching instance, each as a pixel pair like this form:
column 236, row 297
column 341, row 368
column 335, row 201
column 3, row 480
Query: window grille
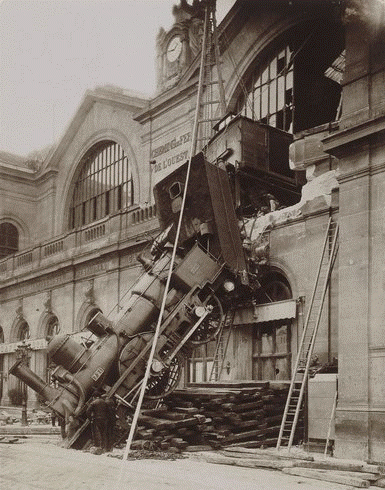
column 270, row 92
column 272, row 351
column 200, row 364
column 104, row 185
column 9, row 239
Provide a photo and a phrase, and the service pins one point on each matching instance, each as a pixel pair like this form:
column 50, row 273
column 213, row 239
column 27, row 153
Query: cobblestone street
column 46, row 466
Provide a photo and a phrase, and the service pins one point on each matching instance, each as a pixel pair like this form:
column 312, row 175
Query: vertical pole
column 157, row 330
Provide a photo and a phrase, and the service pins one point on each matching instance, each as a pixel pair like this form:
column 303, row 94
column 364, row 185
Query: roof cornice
column 115, row 97
column 166, row 100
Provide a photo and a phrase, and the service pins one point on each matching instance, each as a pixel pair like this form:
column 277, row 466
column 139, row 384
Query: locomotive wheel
column 162, row 380
column 211, row 325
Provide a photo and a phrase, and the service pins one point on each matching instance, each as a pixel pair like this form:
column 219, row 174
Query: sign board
column 170, row 155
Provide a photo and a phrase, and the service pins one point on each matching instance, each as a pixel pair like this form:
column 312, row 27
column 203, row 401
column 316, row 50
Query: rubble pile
column 214, row 417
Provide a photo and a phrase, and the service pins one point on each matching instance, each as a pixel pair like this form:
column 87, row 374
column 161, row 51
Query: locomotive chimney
column 22, row 371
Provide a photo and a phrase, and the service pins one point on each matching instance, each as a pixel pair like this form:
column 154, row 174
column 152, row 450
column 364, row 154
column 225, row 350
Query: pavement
column 43, row 464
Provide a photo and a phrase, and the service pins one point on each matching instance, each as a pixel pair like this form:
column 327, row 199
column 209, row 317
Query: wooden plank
column 198, row 448
column 249, row 444
column 252, row 414
column 171, row 415
column 155, row 423
column 379, row 483
column 328, row 476
column 187, row 410
column 267, row 453
column 187, row 422
column 247, row 424
column 371, row 477
column 338, row 466
column 246, row 462
column 242, row 407
column 272, row 421
column 244, row 436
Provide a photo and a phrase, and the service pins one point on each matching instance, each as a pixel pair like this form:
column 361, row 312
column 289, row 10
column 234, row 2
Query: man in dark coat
column 98, row 413
column 111, row 420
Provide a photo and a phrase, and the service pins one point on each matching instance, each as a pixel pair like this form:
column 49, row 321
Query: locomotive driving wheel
column 211, row 325
column 163, row 379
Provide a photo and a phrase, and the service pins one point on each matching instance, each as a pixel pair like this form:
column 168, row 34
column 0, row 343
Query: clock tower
column 177, row 48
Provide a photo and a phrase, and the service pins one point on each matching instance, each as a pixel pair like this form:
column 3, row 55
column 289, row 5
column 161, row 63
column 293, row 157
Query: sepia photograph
column 192, row 244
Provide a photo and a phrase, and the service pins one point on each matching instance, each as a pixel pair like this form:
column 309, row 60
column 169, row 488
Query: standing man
column 111, row 420
column 98, row 412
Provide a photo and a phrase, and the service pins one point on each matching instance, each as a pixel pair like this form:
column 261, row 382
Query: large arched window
column 270, row 92
column 297, row 85
column 9, row 239
column 104, row 185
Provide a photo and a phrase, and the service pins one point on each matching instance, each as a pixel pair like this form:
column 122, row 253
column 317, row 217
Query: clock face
column 174, row 48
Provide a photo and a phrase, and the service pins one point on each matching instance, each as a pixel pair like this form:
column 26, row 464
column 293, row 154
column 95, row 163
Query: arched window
column 23, row 332
column 270, row 92
column 272, row 339
column 104, row 185
column 9, row 239
column 52, row 327
column 298, row 85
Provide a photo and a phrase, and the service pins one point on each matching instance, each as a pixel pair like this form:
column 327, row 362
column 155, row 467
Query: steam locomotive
column 209, row 268
column 210, row 274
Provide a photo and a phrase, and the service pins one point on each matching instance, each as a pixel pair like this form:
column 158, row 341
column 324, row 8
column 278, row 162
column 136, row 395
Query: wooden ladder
column 221, row 346
column 211, row 92
column 301, row 369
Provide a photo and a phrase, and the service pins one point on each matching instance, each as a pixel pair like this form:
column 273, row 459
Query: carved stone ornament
column 19, row 310
column 48, row 302
column 90, row 294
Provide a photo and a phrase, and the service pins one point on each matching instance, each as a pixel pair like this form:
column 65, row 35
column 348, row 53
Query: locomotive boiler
column 209, row 271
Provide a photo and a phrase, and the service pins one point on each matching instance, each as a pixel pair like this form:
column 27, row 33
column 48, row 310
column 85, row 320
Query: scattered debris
column 9, row 440
column 144, row 454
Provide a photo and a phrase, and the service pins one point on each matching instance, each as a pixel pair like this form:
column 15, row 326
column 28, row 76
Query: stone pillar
column 353, row 333
column 360, row 146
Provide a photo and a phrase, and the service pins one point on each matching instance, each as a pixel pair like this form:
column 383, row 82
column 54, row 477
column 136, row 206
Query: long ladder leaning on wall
column 211, row 103
column 306, row 347
column 209, row 46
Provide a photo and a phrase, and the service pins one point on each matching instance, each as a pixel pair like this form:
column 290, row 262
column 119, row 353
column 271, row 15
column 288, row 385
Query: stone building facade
column 73, row 222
